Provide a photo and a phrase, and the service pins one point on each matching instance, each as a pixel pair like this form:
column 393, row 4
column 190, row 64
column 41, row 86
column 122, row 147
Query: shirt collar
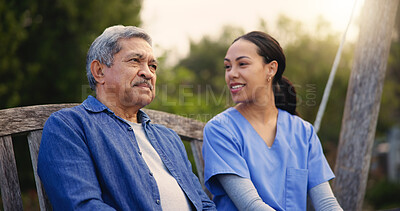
column 94, row 105
column 143, row 117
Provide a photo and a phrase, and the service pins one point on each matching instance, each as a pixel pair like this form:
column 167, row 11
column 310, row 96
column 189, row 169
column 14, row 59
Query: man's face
column 132, row 77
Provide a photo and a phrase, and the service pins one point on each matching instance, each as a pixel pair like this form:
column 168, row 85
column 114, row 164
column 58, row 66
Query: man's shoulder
column 65, row 112
column 69, row 116
column 90, row 105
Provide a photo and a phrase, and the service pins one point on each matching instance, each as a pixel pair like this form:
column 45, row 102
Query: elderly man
column 105, row 154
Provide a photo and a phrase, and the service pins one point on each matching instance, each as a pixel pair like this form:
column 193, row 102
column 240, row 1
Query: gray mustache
column 144, row 81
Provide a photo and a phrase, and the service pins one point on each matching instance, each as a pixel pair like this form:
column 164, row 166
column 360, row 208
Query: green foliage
column 389, row 114
column 44, row 45
column 384, row 195
column 206, row 59
column 43, row 55
column 195, row 87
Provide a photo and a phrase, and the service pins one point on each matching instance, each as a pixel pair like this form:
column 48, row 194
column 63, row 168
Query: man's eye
column 154, row 67
column 134, row 60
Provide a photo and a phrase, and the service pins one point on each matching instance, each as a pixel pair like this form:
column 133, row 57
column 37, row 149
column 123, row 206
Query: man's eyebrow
column 135, row 55
column 140, row 56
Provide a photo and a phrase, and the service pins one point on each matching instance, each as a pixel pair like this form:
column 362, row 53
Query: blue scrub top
column 282, row 174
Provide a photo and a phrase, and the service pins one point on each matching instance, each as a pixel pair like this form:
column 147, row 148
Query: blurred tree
column 379, row 190
column 206, row 58
column 43, row 55
column 389, row 113
column 44, row 45
column 195, row 86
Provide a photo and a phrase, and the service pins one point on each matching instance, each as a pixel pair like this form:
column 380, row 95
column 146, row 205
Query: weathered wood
column 30, row 118
column 25, row 119
column 362, row 102
column 34, row 139
column 196, row 146
column 9, row 184
column 187, row 128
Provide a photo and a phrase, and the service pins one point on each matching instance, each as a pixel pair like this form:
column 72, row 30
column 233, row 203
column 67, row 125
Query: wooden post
column 363, row 101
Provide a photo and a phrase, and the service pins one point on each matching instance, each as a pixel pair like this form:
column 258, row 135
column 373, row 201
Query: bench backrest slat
column 9, row 183
column 34, row 139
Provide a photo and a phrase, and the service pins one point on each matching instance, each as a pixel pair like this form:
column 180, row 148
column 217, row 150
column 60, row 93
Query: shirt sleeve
column 243, row 193
column 323, row 198
column 66, row 169
column 319, row 170
column 222, row 155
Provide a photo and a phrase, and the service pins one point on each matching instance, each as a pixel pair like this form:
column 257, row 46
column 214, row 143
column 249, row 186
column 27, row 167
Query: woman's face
column 246, row 74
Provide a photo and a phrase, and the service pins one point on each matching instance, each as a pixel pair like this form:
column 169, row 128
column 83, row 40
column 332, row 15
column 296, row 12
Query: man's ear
column 97, row 71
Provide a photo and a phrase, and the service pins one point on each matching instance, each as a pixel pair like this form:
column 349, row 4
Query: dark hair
column 270, row 50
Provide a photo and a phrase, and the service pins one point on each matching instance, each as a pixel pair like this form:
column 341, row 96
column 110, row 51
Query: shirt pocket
column 296, row 189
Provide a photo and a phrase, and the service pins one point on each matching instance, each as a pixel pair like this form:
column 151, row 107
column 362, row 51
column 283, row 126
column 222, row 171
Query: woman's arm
column 323, row 198
column 242, row 192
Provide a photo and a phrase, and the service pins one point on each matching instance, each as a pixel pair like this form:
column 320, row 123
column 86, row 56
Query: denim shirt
column 89, row 160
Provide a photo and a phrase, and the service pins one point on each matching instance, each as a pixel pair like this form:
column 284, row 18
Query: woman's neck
column 261, row 114
column 262, row 109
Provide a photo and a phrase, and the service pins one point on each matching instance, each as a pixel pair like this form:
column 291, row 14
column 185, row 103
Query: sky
column 173, row 23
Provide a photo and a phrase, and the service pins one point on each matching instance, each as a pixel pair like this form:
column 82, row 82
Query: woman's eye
column 227, row 66
column 242, row 64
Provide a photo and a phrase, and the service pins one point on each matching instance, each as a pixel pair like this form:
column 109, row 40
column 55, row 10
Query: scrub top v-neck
column 282, row 173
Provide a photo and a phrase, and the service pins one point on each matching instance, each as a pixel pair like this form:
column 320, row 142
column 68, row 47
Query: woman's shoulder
column 224, row 121
column 225, row 117
column 294, row 122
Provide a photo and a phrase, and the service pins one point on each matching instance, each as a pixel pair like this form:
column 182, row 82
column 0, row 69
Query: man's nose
column 145, row 72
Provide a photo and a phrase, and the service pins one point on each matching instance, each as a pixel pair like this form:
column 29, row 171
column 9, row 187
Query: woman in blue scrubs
column 259, row 155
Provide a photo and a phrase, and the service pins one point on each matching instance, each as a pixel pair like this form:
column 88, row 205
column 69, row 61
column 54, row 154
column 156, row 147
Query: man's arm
column 66, row 168
column 208, row 204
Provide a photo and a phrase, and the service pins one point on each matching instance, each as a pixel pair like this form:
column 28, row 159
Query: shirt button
column 130, row 128
column 158, row 201
column 151, row 173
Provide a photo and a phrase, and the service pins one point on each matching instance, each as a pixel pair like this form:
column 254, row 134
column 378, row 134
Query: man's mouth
column 144, row 84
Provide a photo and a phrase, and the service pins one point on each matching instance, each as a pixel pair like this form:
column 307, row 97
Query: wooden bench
column 29, row 121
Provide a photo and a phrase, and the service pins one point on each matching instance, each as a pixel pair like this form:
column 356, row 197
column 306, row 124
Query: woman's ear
column 97, row 71
column 272, row 68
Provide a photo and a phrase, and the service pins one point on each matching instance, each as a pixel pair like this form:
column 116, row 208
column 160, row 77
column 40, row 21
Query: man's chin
column 137, row 102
